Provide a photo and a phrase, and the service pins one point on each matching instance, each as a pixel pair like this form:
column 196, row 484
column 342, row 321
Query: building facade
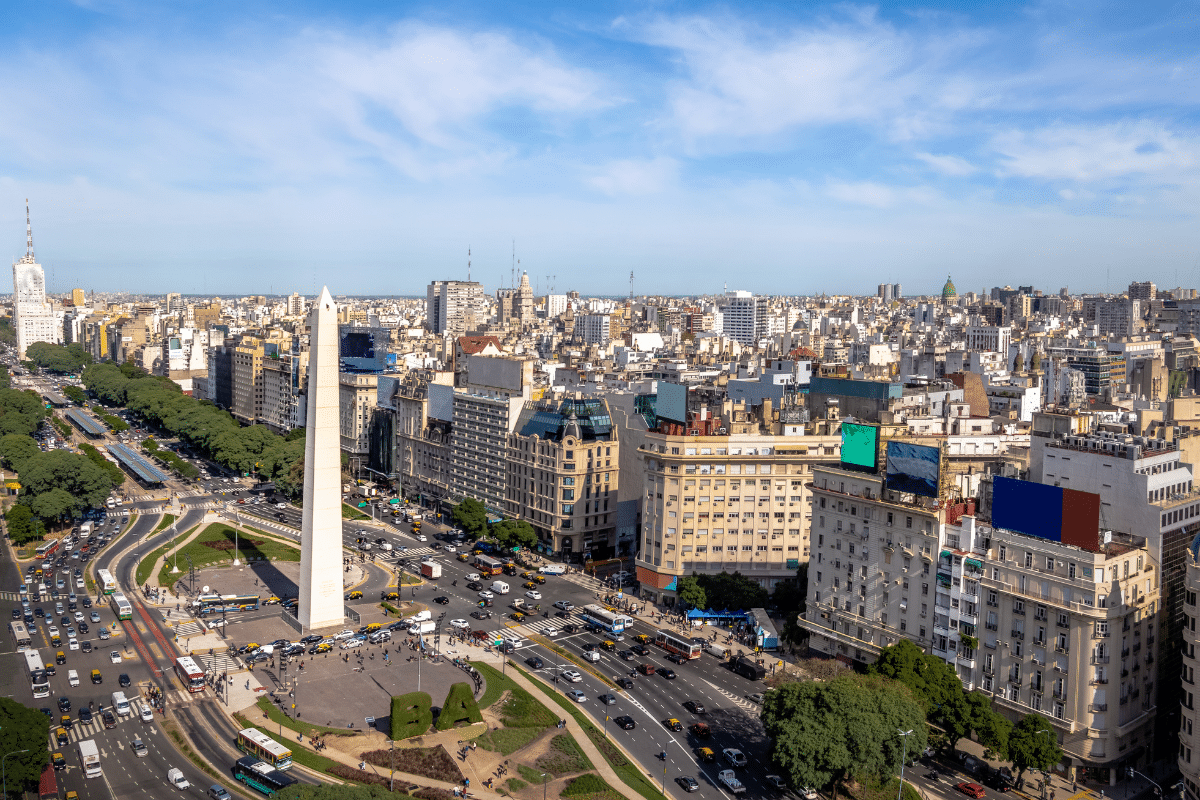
column 454, row 307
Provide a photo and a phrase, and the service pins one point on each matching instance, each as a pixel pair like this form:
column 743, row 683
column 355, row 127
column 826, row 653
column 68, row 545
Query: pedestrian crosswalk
column 542, row 627
column 740, row 702
column 412, row 552
column 86, row 730
column 10, row 596
column 220, row 662
column 190, row 628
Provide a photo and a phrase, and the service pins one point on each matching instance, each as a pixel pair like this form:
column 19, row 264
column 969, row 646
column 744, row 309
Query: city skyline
column 778, row 151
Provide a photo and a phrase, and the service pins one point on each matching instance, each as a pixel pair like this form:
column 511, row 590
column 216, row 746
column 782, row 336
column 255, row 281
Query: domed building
column 949, row 293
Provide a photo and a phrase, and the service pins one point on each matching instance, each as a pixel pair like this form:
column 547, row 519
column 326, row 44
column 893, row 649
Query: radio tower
column 28, row 259
column 468, row 265
column 630, row 287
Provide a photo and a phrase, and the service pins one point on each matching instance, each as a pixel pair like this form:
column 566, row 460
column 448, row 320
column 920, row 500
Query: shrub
column 428, row 762
column 516, row 784
column 459, row 707
column 563, row 756
column 412, row 714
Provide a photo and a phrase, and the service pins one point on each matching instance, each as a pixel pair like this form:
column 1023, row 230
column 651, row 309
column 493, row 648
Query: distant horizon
column 792, row 150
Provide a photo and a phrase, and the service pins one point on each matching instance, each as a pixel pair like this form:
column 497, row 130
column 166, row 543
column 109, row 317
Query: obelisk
column 321, row 540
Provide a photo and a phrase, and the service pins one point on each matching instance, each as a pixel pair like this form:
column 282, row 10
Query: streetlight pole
column 543, row 786
column 904, row 757
column 4, row 769
column 392, row 779
column 174, row 569
column 237, row 520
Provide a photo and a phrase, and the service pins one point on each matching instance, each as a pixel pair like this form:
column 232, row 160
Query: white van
column 385, row 546
column 420, row 616
column 73, row 677
column 120, row 704
column 421, row 628
column 500, row 587
column 553, row 569
column 717, row 650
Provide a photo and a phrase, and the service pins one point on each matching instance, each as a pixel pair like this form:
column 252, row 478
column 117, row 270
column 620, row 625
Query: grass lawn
column 299, row 726
column 146, row 565
column 628, row 771
column 564, row 756
column 165, row 523
column 350, row 512
column 215, row 543
column 874, row 790
column 507, row 740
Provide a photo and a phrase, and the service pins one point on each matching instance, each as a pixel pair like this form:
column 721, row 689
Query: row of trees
column 62, row 359
column 208, row 429
column 471, row 516
column 825, row 733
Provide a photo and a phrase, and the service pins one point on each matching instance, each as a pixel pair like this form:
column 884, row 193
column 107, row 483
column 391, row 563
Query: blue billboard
column 672, row 402
column 913, row 468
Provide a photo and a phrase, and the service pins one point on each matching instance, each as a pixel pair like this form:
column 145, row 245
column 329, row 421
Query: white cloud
column 878, row 195
column 953, row 166
column 634, row 177
column 1142, row 149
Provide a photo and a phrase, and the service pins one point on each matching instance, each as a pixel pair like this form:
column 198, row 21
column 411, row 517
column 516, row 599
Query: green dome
column 948, row 291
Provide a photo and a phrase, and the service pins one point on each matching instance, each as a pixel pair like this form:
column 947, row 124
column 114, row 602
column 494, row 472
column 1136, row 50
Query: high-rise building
column 357, row 394
column 296, row 305
column 454, row 307
column 1117, row 316
column 1188, row 758
column 556, row 304
column 1145, row 291
column 33, row 318
column 993, row 338
column 889, row 292
column 745, row 317
column 248, row 380
column 175, row 303
column 78, row 298
column 594, row 328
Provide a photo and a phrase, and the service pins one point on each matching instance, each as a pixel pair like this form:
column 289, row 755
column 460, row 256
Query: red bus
column 679, row 645
column 48, row 549
column 189, row 674
column 48, row 784
column 488, row 565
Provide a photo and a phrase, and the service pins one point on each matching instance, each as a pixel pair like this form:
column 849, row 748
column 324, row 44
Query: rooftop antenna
column 468, row 264
column 631, row 287
column 28, row 259
column 512, row 279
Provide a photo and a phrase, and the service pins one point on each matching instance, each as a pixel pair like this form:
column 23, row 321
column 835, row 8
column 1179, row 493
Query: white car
column 52, row 630
column 352, row 643
column 460, row 623
column 472, row 576
column 217, row 623
column 176, row 779
column 565, row 605
column 486, row 595
column 114, row 657
column 534, row 594
column 147, row 714
column 550, row 632
column 572, row 675
column 422, row 537
column 577, row 696
column 79, row 616
column 73, row 643
column 281, row 505
column 346, row 634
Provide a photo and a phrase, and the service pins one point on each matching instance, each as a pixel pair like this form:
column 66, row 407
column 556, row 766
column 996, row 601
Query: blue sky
column 785, row 148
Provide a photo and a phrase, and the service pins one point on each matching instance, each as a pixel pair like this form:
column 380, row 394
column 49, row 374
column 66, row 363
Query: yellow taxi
column 539, row 578
column 60, row 657
column 391, row 596
column 60, row 737
column 354, row 596
column 673, row 724
column 642, row 638
column 271, row 601
column 97, row 677
column 72, row 795
column 609, row 645
column 527, row 576
column 374, row 626
column 324, row 647
column 529, row 585
column 463, row 557
column 518, row 616
column 706, row 754
column 51, row 669
column 56, row 641
column 58, row 760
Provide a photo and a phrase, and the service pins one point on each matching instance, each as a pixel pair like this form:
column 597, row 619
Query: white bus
column 190, row 674
column 610, row 621
column 106, row 581
column 20, row 635
column 120, row 606
column 258, row 744
column 39, row 681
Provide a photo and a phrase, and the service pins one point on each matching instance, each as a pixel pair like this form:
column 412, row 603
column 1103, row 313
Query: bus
column 264, row 748
column 120, row 606
column 610, row 621
column 106, row 581
column 189, row 674
column 20, row 635
column 678, row 644
column 230, row 602
column 38, row 679
column 488, row 565
column 260, row 775
column 47, row 549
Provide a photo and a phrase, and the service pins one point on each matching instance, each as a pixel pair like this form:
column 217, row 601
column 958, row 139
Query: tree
column 56, row 504
column 512, row 533
column 16, row 449
column 691, row 593
column 1019, row 363
column 826, row 732
column 22, row 525
column 58, row 358
column 732, row 591
column 471, row 516
column 789, row 598
column 74, row 394
column 994, row 731
column 115, row 473
column 87, row 483
column 26, row 729
column 1033, row 744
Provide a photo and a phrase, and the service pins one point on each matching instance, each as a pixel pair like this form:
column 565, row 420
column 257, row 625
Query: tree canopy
column 26, row 729
column 789, row 598
column 471, row 516
column 690, row 593
column 1033, row 744
column 734, row 591
column 512, row 533
column 826, row 732
column 60, row 358
column 86, row 483
column 16, row 449
column 22, row 525
column 20, row 411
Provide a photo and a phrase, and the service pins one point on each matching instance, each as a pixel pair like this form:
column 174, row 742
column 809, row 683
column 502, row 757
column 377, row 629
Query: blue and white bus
column 611, row 621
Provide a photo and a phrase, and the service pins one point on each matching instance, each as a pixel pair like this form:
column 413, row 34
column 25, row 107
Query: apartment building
column 1068, row 632
column 424, row 408
column 718, row 501
column 454, row 307
column 357, row 394
column 563, row 476
column 1188, row 757
column 247, row 380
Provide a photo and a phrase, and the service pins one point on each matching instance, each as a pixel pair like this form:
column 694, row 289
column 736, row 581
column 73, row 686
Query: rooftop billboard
column 1047, row 512
column 913, row 468
column 860, row 445
column 672, row 402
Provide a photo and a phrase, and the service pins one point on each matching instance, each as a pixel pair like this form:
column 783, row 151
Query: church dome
column 948, row 291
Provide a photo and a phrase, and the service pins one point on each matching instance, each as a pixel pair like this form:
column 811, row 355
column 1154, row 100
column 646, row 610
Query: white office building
column 33, row 318
column 745, row 317
column 454, row 307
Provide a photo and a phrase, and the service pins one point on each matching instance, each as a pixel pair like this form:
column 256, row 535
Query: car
column 625, row 722
column 147, row 714
column 734, row 757
column 422, row 537
column 667, row 673
column 577, row 696
column 486, row 595
column 123, row 680
column 641, row 650
column 257, row 656
column 216, row 792
column 108, row 718
column 95, row 617
column 70, row 631
column 688, row 784
column 97, row 677
column 176, row 778
column 572, row 675
column 646, row 669
column 442, row 601
column 345, row 634
column 755, row 697
column 320, row 647
column 565, row 605
column 52, row 630
column 549, row 631
column 676, row 658
column 609, row 699
column 535, row 662
column 86, row 647
column 589, row 647
column 83, row 628
column 64, row 704
column 37, row 612
column 533, row 594
column 139, row 747
column 104, row 634
column 114, row 657
column 87, row 602
column 85, row 715
column 970, row 789
column 673, row 724
column 700, row 730
column 625, row 682
column 311, row 638
column 73, row 643
column 349, row 644
column 481, row 614
column 570, row 629
column 693, row 706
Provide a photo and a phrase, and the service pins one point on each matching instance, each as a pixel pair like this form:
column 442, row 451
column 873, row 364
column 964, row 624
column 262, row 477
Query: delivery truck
column 431, row 569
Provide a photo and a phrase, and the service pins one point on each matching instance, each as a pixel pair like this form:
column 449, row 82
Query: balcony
column 1099, row 681
column 991, row 626
column 1062, row 649
column 1100, row 659
column 1039, row 642
column 1016, row 634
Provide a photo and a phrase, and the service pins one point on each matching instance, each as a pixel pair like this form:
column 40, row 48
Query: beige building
column 563, row 474
column 1038, row 625
column 357, row 396
column 248, row 380
column 1188, row 759
column 725, row 503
